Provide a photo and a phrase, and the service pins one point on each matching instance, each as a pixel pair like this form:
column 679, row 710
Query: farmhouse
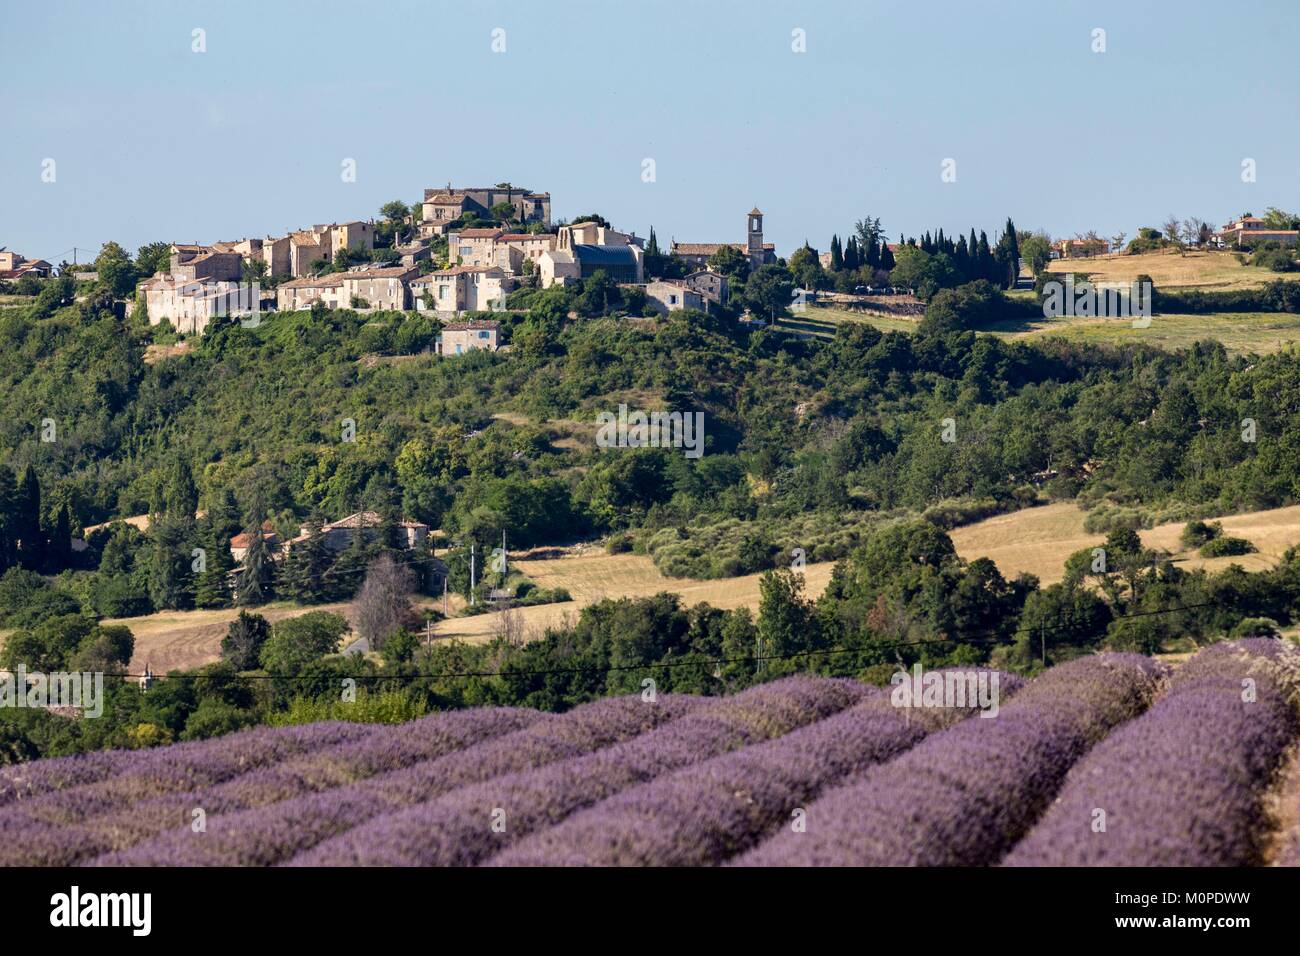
column 667, row 296
column 758, row 252
column 459, row 338
column 712, row 285
column 13, row 266
column 1251, row 230
column 241, row 542
column 338, row 535
column 1080, row 248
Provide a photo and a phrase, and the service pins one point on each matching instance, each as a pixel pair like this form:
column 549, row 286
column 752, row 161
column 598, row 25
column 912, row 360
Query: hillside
column 1207, row 271
column 803, row 771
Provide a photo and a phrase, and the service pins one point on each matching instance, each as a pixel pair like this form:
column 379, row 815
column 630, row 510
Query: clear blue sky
column 155, row 142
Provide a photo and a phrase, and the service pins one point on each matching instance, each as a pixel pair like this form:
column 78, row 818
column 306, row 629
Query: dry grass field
column 171, row 640
column 1207, row 271
column 591, row 574
column 1038, row 540
column 1241, row 332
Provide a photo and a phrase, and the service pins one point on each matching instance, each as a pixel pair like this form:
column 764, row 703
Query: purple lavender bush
column 202, row 761
column 250, row 828
column 469, row 824
column 704, row 814
column 69, row 825
column 1184, row 784
column 962, row 797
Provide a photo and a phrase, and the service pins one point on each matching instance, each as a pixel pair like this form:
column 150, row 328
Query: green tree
column 256, row 576
column 244, row 640
column 297, row 642
column 769, row 290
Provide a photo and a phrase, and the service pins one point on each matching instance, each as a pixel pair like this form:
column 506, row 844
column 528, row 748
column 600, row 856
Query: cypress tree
column 837, row 255
column 256, row 578
column 27, row 523
column 212, row 584
column 170, row 574
column 988, row 267
column 305, row 567
column 60, row 552
column 8, row 519
column 852, row 260
column 886, row 258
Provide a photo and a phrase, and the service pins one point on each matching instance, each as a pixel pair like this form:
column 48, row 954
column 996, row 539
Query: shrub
column 1223, row 547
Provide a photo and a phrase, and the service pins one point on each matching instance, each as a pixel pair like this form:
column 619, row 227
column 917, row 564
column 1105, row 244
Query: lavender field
column 1108, row 760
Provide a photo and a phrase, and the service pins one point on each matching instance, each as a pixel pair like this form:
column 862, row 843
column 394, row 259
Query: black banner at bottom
column 219, row 905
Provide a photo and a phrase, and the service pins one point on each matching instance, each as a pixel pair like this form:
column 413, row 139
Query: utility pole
column 505, row 569
column 444, row 595
column 472, row 582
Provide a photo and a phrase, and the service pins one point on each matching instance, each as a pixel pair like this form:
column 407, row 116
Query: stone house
column 712, row 285
column 307, row 246
column 240, row 543
column 338, row 535
column 275, row 253
column 457, row 338
column 667, row 297
column 462, row 289
column 380, row 288
column 205, row 262
column 473, row 247
column 513, row 249
column 190, row 305
column 449, row 204
column 304, row 292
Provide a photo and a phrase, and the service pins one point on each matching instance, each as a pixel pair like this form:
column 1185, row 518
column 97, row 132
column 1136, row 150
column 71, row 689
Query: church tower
column 755, row 233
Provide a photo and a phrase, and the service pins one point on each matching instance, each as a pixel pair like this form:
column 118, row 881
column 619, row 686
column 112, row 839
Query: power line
column 698, row 662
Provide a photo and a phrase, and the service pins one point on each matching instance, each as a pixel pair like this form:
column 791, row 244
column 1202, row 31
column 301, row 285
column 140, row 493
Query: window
column 483, row 334
column 459, row 349
column 672, row 300
column 466, row 250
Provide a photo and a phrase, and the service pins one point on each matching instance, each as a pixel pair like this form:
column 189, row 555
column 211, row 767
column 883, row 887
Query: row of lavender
column 802, row 771
column 1186, row 783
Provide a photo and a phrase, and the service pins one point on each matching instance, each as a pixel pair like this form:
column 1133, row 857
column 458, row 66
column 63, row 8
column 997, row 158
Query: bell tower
column 754, row 245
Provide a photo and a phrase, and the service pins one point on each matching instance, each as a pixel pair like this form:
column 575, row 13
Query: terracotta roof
column 367, row 519
column 330, row 281
column 480, row 233
column 242, row 540
column 472, row 326
column 455, row 271
column 709, row 248
column 454, row 199
column 523, row 236
column 387, row 272
column 755, row 211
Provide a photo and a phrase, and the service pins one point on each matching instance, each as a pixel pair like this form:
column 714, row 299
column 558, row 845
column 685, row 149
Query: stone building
column 754, row 248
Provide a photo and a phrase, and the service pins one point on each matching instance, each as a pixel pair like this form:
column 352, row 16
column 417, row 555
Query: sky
column 151, row 140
